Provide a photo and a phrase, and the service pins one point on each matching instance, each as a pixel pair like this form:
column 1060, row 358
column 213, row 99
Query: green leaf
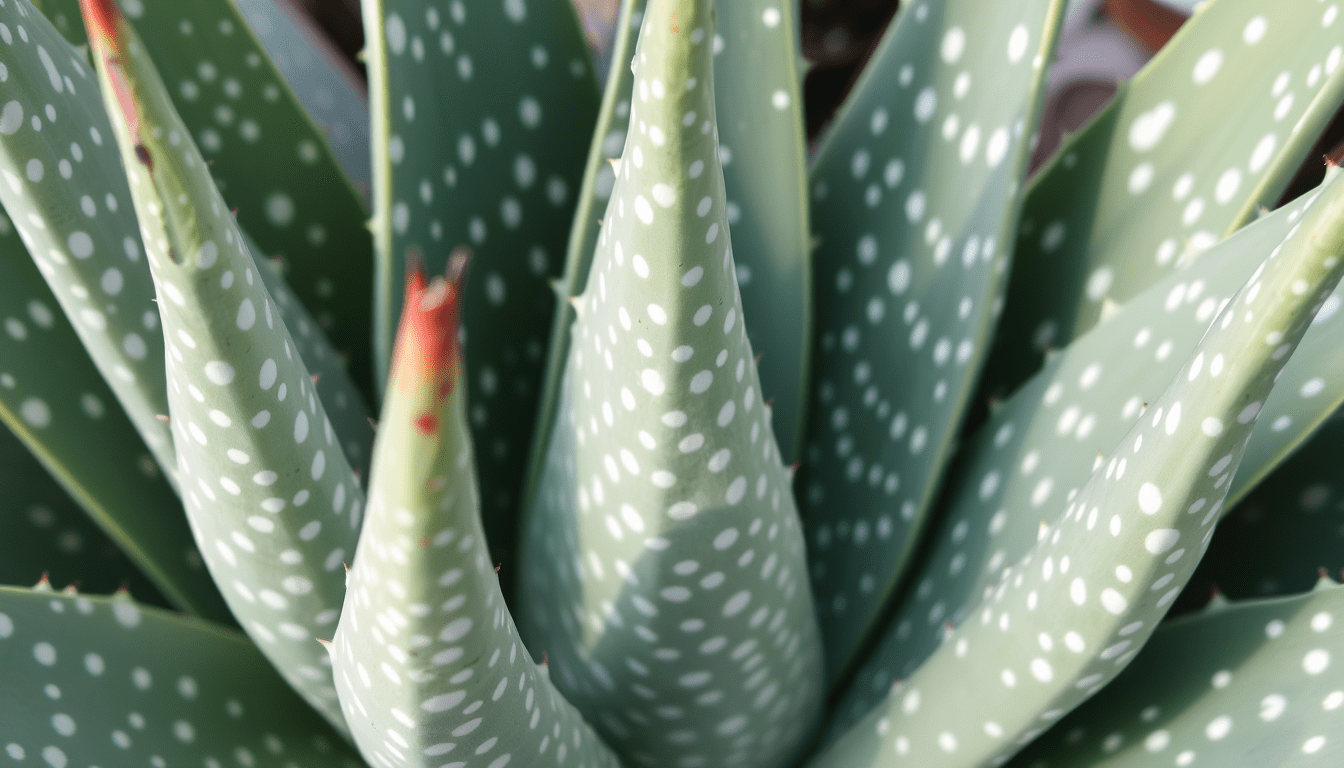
column 99, row 680
column 69, row 201
column 1261, row 680
column 268, row 491
column 425, row 638
column 913, row 200
column 1043, row 444
column 57, row 404
column 350, row 418
column 1213, row 128
column 321, row 78
column 270, row 161
column 1287, row 531
column 599, row 176
column 44, row 533
column 481, row 114
column 1067, row 617
column 758, row 98
column 663, row 568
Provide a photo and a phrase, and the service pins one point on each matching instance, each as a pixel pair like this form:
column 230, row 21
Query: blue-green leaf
column 481, row 113
column 1209, row 131
column 105, row 681
column 663, row 567
column 913, row 199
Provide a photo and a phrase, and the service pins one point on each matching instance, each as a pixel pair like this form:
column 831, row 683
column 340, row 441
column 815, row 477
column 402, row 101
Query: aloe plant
column 679, row 458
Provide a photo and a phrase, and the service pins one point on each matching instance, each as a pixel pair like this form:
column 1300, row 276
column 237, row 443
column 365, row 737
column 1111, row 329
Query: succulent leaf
column 45, row 534
column 56, row 403
column 1062, row 621
column 1042, row 445
column 69, row 201
column 268, row 491
column 1286, row 531
column 427, row 659
column 758, row 100
column 599, row 176
column 271, row 162
column 93, row 680
column 350, row 418
column 913, row 196
column 664, row 575
column 327, row 86
column 1163, row 173
column 481, row 114
column 1261, row 678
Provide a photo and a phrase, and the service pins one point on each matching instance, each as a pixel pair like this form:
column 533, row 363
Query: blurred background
column 1102, row 42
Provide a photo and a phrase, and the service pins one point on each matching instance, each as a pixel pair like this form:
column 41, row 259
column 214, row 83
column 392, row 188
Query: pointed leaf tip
column 101, row 18
column 427, row 345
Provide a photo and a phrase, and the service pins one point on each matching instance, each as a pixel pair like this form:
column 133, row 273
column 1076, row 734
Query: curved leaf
column 69, row 201
column 56, row 403
column 1042, row 445
column 913, row 199
column 425, row 639
column 90, row 681
column 1261, row 679
column 270, row 161
column 1067, row 617
column 268, row 491
column 1214, row 127
column 663, row 560
column 758, row 100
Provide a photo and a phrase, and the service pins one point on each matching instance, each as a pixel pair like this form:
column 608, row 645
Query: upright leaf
column 425, row 639
column 270, row 161
column 481, row 113
column 1071, row 614
column 758, row 99
column 56, row 403
column 1163, row 173
column 99, row 681
column 599, row 176
column 1261, row 679
column 269, row 493
column 664, row 575
column 69, row 201
column 913, row 199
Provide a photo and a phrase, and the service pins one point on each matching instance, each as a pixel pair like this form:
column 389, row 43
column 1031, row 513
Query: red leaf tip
column 100, row 19
column 427, row 345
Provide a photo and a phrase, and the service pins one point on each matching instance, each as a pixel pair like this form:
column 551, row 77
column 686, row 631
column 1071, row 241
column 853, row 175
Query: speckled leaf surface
column 1042, row 445
column 59, row 407
column 758, row 99
column 913, row 200
column 321, row 78
column 481, row 116
column 599, row 176
column 1066, row 618
column 270, row 161
column 105, row 681
column 1259, row 681
column 664, row 575
column 43, row 532
column 1212, row 129
column 349, row 416
column 1288, row 529
column 428, row 663
column 68, row 199
column 269, row 494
